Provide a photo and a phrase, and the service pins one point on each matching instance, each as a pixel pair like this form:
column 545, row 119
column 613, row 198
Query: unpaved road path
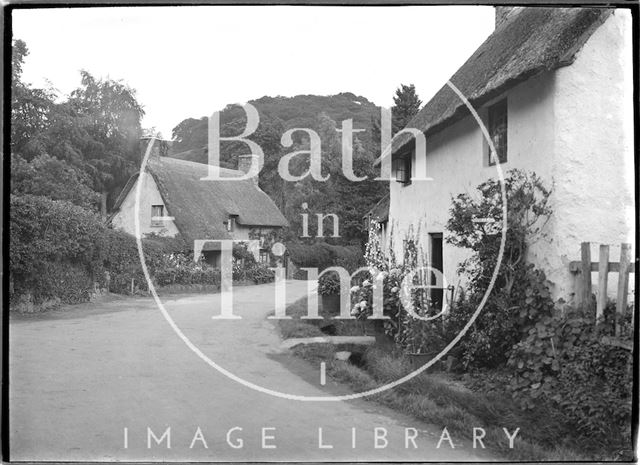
column 79, row 377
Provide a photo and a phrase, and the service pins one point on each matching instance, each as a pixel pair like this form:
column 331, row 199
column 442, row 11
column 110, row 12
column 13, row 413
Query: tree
column 95, row 131
column 29, row 108
column 406, row 105
column 190, row 134
column 50, row 177
column 110, row 114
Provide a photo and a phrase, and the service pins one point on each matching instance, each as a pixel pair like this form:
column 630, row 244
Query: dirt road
column 101, row 381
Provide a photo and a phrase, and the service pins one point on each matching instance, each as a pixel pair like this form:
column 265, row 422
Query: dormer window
column 497, row 120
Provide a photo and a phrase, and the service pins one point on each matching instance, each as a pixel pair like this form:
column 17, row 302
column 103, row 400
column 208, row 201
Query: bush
column 168, row 261
column 54, row 249
column 329, row 284
column 520, row 296
column 322, row 255
column 122, row 262
column 59, row 250
column 564, row 361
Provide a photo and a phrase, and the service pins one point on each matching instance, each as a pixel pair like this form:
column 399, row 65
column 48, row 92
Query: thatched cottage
column 174, row 200
column 554, row 88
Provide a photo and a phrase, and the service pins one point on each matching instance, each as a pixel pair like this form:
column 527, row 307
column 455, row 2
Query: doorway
column 436, row 262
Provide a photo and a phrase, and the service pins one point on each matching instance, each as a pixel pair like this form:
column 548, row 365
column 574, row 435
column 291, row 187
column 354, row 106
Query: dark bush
column 322, row 255
column 122, row 262
column 563, row 360
column 54, row 249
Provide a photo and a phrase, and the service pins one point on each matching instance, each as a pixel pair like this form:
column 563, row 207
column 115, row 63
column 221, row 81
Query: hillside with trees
column 347, row 199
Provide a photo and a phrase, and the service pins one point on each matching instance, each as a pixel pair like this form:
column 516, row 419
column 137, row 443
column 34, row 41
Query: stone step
column 357, row 340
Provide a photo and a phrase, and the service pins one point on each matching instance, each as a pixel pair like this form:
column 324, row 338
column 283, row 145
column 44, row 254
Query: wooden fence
column 603, row 266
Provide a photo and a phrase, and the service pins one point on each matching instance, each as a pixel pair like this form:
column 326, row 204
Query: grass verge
column 437, row 399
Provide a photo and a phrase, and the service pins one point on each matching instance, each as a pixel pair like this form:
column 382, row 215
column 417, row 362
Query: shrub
column 564, row 361
column 54, row 249
column 520, row 296
column 329, row 284
column 322, row 255
column 260, row 273
column 121, row 260
column 58, row 250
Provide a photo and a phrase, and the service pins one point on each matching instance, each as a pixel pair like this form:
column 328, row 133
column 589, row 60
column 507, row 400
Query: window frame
column 405, row 161
column 157, row 223
column 498, row 115
column 231, row 223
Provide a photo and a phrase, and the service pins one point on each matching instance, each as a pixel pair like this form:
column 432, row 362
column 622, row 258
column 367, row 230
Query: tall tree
column 406, row 105
column 29, row 108
column 95, row 131
column 111, row 116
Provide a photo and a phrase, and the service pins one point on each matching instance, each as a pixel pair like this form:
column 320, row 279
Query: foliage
column 94, row 131
column 111, row 117
column 59, row 250
column 406, row 104
column 180, row 268
column 329, row 284
column 53, row 178
column 504, row 320
column 564, row 361
column 337, row 194
column 520, row 295
column 45, row 232
column 395, row 277
column 322, row 255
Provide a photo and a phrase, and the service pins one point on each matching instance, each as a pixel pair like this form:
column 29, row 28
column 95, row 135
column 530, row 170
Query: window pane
column 157, row 211
column 498, row 130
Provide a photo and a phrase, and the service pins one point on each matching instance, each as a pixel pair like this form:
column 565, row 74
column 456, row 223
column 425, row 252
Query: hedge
column 58, row 251
column 322, row 255
column 54, row 249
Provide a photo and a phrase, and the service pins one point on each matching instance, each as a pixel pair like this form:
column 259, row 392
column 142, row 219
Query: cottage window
column 498, row 131
column 402, row 169
column 157, row 213
column 264, row 256
column 231, row 224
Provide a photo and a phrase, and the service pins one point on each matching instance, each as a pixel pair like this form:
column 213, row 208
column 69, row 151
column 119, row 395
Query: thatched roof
column 532, row 40
column 200, row 208
column 380, row 211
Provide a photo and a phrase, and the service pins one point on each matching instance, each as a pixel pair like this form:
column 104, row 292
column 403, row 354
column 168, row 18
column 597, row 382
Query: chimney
column 503, row 13
column 245, row 162
column 155, row 150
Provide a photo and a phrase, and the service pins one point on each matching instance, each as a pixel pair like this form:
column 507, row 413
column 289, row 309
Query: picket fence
column 603, row 266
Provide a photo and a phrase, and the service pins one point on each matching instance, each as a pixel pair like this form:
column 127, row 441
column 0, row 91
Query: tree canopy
column 73, row 145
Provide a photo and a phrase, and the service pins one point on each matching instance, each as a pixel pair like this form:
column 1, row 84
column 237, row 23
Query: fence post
column 603, row 276
column 623, row 283
column 585, row 269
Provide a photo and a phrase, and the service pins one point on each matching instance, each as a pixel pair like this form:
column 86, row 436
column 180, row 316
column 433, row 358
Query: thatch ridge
column 529, row 42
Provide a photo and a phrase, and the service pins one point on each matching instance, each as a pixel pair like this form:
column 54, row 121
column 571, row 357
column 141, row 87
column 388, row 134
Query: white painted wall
column 573, row 127
column 149, row 195
column 593, row 105
column 456, row 162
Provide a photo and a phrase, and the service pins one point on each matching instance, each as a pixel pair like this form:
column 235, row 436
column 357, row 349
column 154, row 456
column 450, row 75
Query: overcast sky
column 191, row 61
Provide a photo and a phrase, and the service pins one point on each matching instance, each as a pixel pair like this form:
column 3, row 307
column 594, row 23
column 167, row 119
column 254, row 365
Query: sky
column 191, row 61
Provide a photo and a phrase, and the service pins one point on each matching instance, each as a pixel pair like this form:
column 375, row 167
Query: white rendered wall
column 573, row 127
column 149, row 195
